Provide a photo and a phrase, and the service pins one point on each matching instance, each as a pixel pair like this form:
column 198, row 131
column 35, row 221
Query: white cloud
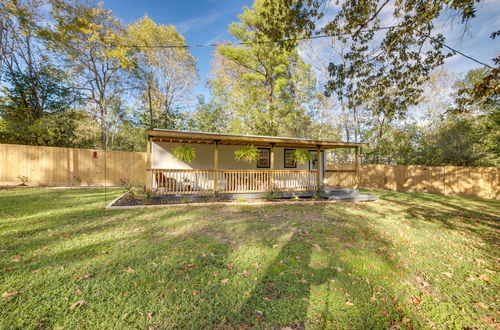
column 200, row 21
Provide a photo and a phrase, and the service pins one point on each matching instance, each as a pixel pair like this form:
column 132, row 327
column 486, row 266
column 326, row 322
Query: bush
column 24, row 180
column 270, row 195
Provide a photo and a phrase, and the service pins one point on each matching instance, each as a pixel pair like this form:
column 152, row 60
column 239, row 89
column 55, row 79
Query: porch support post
column 271, row 168
column 318, row 167
column 149, row 173
column 356, row 168
column 216, row 166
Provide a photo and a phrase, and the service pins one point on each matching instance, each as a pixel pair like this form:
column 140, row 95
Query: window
column 313, row 163
column 264, row 160
column 289, row 161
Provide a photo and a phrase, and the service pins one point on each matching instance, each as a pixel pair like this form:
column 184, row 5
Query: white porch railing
column 173, row 181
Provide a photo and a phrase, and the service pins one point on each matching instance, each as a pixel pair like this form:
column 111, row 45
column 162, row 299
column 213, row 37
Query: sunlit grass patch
column 411, row 260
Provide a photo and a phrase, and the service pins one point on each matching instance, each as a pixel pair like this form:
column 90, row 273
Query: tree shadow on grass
column 285, row 294
column 451, row 215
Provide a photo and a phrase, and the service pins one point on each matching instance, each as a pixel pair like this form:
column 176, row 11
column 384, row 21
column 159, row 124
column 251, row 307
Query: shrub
column 184, row 153
column 147, row 195
column 77, row 181
column 270, row 195
column 24, row 180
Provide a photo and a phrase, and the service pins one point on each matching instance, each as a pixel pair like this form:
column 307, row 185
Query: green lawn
column 412, row 260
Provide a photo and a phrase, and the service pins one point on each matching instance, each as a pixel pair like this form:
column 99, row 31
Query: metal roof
column 225, row 138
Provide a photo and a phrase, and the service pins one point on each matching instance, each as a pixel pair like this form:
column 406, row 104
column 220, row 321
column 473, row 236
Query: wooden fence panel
column 67, row 166
column 50, row 166
column 453, row 180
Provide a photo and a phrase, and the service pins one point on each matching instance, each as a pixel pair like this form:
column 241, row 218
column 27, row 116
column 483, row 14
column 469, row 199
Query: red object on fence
column 94, row 154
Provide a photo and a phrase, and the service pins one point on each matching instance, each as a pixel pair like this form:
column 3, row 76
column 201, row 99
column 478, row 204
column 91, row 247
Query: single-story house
column 215, row 168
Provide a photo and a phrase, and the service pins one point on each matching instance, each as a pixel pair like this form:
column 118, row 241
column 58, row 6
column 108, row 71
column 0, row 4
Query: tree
column 90, row 41
column 266, row 89
column 388, row 50
column 165, row 70
column 36, row 105
column 209, row 117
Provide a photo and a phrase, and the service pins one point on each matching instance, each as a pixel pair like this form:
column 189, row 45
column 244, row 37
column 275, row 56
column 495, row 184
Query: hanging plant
column 247, row 154
column 302, row 156
column 184, row 153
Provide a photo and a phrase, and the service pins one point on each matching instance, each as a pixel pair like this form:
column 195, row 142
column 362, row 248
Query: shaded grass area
column 412, row 260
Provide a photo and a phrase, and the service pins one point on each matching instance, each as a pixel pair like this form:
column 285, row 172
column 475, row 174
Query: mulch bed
column 126, row 201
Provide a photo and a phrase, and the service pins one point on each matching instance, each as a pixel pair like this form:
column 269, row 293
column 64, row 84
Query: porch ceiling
column 236, row 139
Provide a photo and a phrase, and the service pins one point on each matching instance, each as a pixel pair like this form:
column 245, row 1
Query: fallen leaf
column 450, row 275
column 84, row 277
column 224, row 281
column 247, row 294
column 77, row 304
column 305, row 299
column 129, row 270
column 405, row 320
column 230, row 267
column 16, row 258
column 256, row 265
column 348, row 303
column 9, row 293
column 470, row 279
column 481, row 304
column 415, row 300
column 317, row 247
column 485, row 278
column 245, row 273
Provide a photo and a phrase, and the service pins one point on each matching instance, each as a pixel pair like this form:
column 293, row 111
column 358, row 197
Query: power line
column 247, row 43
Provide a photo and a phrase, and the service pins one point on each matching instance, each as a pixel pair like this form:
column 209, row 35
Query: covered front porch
column 216, row 171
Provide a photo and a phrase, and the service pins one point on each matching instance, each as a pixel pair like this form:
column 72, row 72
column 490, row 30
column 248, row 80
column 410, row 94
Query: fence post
column 149, row 175
column 356, row 167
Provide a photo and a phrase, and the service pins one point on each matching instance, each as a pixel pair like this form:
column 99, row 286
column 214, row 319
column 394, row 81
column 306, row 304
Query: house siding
column 162, row 158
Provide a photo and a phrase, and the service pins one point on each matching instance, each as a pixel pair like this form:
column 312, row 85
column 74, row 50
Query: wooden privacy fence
column 85, row 167
column 68, row 166
column 451, row 180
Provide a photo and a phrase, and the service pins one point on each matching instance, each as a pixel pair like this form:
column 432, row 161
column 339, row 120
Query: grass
column 412, row 260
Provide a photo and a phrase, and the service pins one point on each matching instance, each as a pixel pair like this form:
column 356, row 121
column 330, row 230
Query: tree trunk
column 150, row 107
column 346, row 122
column 104, row 132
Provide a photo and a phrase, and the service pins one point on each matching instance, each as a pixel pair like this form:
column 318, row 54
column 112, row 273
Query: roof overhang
column 159, row 135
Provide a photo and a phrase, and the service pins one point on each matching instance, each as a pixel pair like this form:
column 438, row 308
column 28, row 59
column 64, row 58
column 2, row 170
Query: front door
column 313, row 163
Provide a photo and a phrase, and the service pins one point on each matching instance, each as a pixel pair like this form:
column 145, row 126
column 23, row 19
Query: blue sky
column 206, row 21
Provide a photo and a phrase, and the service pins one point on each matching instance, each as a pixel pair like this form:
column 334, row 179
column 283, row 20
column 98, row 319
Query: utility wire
column 246, row 43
